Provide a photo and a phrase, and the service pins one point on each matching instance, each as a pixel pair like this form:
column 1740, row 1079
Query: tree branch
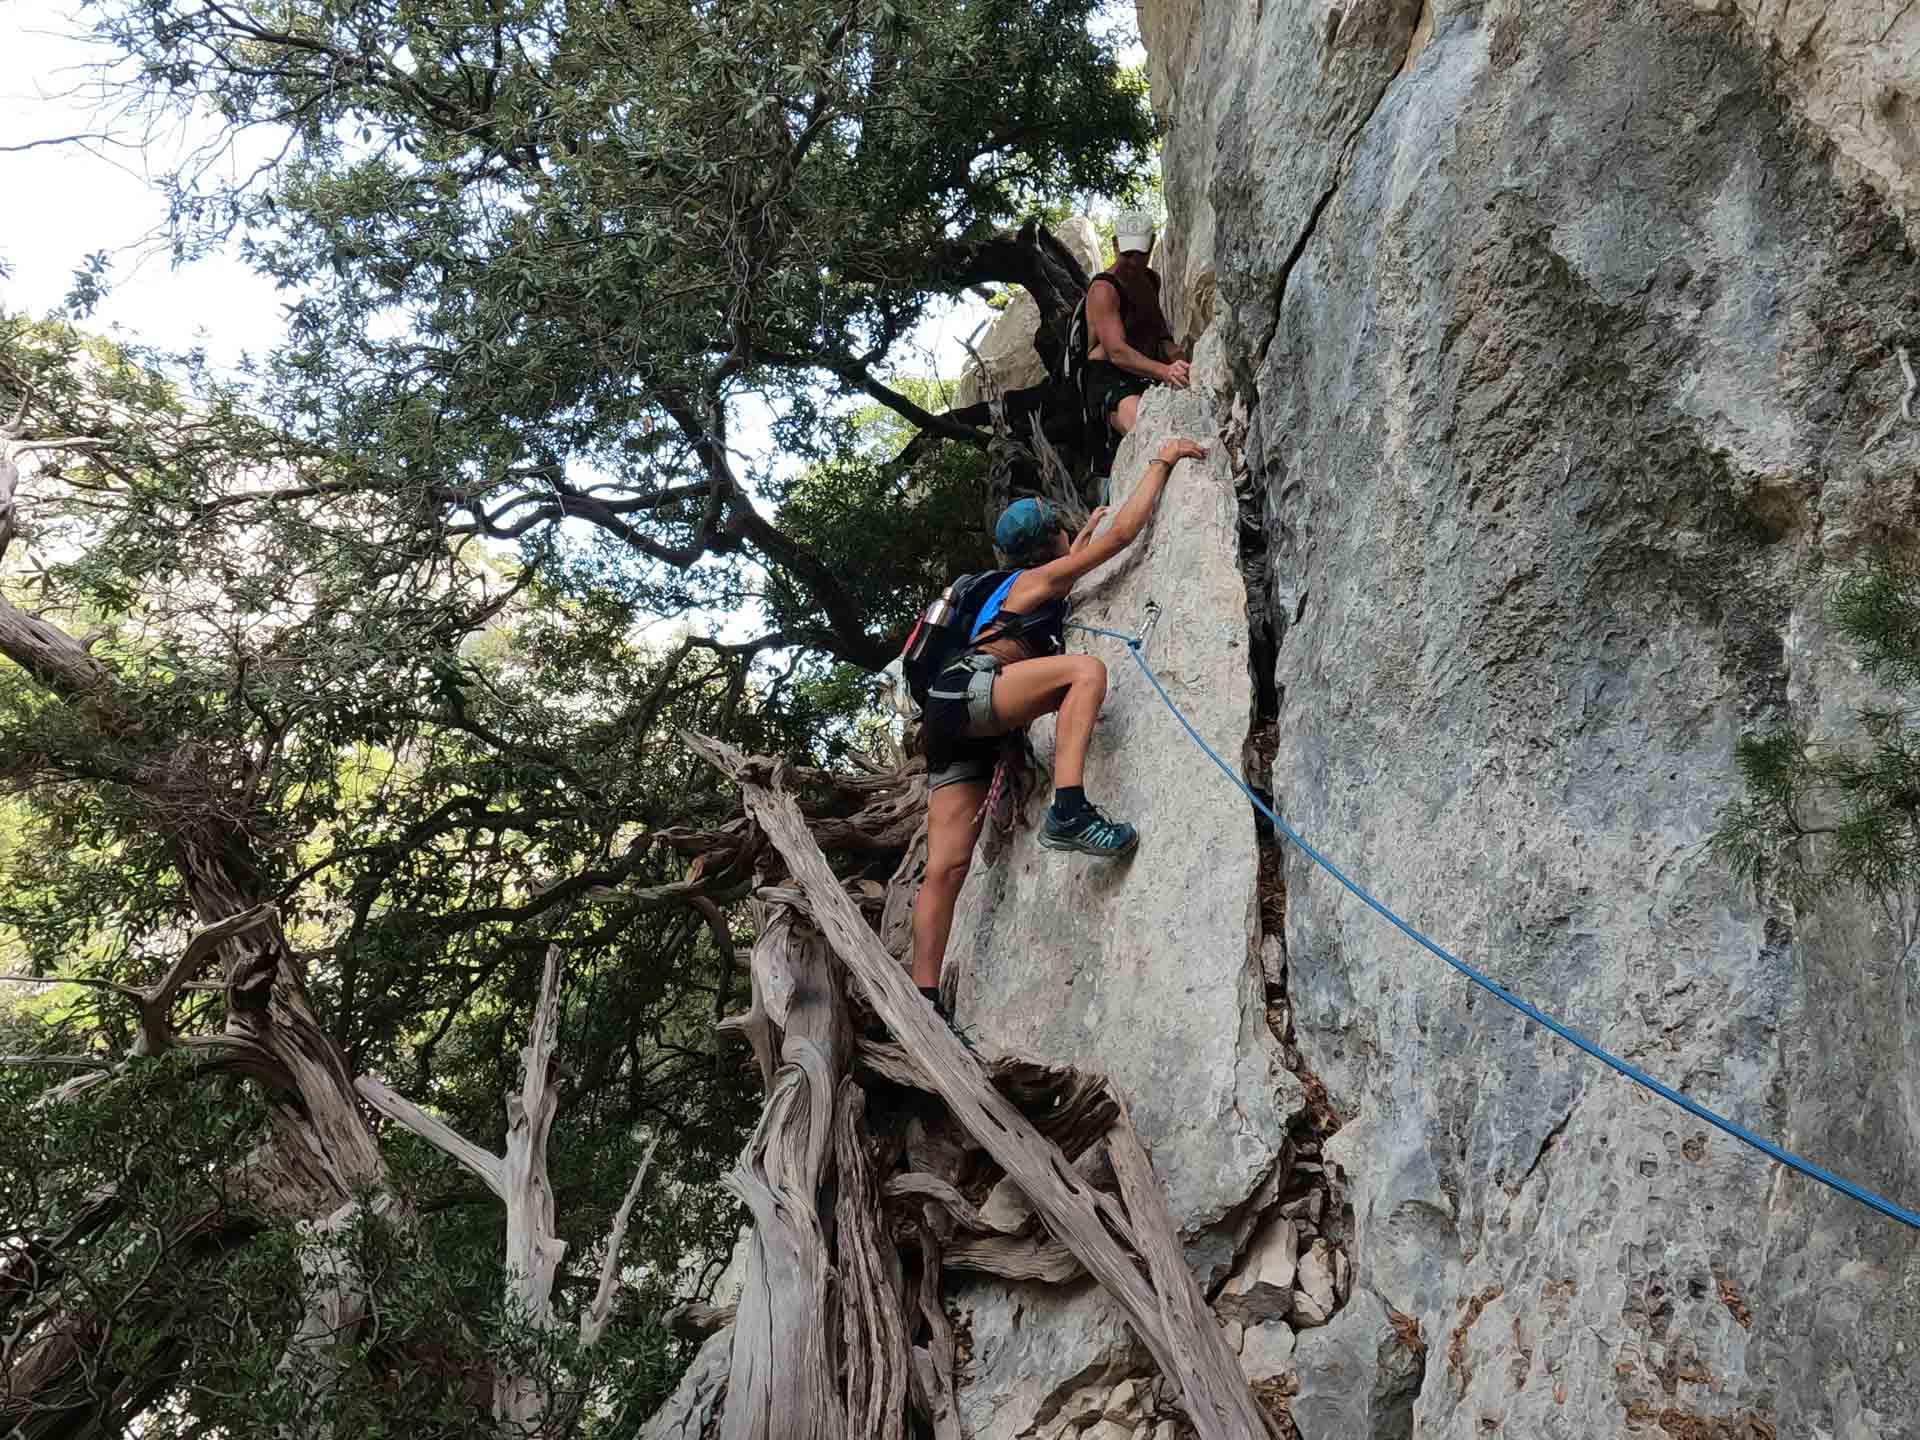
column 1167, row 1311
column 593, row 1320
column 482, row 1164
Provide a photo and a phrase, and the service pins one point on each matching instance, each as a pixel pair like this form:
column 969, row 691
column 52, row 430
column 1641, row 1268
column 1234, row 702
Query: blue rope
column 1638, row 1076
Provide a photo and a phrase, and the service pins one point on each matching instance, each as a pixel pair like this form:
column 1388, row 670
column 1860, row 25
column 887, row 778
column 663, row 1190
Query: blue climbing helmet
column 1025, row 530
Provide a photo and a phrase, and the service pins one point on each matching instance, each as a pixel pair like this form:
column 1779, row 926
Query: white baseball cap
column 1133, row 230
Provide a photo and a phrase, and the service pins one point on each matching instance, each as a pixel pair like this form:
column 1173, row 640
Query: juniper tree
column 540, row 252
column 1832, row 817
column 414, row 767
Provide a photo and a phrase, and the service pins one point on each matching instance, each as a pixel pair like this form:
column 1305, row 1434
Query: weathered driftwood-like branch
column 1168, row 1313
column 519, row 1178
column 696, row 1319
column 523, row 1403
column 1012, row 1258
column 1070, row 1108
column 879, row 1350
column 774, row 930
column 153, row 1006
column 783, row 1384
column 917, row 1186
column 334, row 1300
column 481, row 1163
column 689, row 1412
column 1209, row 1389
column 593, row 1320
column 933, row 1366
column 534, row 1251
column 896, row 916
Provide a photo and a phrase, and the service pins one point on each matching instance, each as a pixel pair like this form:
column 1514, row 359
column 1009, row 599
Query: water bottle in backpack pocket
column 945, row 629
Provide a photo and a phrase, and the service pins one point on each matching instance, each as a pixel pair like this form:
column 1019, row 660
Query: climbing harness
column 1136, row 643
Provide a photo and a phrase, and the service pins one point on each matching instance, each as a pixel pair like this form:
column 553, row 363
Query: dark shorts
column 1108, row 385
column 963, row 739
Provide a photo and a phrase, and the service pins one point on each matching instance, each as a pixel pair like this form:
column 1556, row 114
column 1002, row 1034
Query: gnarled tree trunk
column 1115, row 1238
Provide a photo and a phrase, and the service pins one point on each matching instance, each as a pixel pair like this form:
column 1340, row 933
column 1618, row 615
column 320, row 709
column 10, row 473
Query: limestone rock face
column 1262, row 1287
column 1554, row 352
column 1007, row 343
column 1556, row 347
column 1854, row 73
column 1041, row 1354
column 1140, row 969
column 1359, row 1377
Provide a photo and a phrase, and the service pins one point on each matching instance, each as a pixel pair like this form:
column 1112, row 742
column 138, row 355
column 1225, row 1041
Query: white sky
column 60, row 203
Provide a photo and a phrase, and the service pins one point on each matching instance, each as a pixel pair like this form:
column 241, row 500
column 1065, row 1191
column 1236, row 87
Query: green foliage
column 433, row 775
column 540, row 256
column 405, row 624
column 1825, row 818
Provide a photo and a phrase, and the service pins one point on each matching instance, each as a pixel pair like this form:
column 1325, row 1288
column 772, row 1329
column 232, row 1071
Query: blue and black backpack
column 945, row 629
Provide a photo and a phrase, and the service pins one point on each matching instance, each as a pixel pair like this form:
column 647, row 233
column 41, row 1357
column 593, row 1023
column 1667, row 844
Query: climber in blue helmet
column 1011, row 673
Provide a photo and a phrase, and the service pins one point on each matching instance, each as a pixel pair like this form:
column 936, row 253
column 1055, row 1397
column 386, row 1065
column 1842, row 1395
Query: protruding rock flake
column 1266, row 1351
column 1262, row 1288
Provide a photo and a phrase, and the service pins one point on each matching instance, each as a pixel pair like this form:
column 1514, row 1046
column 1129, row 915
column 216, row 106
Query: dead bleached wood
column 933, row 1365
column 524, row 1403
column 896, row 914
column 334, row 1300
column 534, row 1250
column 1189, row 1347
column 889, row 1062
column 1070, row 1108
column 153, row 1005
column 879, row 1350
column 481, row 1163
column 1014, row 1258
column 689, row 1412
column 696, row 1319
column 914, row 1185
column 1212, row 1389
column 783, row 1384
column 774, row 929
column 593, row 1320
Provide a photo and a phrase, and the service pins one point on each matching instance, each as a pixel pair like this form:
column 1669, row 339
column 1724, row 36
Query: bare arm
column 1047, row 582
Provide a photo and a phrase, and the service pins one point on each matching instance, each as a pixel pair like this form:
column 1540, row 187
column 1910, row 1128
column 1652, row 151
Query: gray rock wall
column 1554, row 353
column 1141, row 969
column 1558, row 335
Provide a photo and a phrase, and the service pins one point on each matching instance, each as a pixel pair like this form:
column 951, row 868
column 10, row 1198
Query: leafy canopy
column 541, row 251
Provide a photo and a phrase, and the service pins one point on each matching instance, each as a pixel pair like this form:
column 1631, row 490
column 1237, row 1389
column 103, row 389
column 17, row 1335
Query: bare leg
column 952, row 830
column 1125, row 413
column 1074, row 685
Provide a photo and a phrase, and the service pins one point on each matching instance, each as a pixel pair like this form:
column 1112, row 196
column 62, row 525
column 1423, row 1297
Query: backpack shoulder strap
column 992, row 605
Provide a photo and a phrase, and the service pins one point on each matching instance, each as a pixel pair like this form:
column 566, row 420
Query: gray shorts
column 963, row 738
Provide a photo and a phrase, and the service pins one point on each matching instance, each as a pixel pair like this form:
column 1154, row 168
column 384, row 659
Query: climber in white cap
column 1130, row 345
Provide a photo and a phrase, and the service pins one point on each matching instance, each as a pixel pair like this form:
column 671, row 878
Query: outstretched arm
column 1050, row 581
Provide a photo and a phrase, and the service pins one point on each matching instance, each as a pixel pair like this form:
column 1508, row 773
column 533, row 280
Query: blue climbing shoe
column 1089, row 832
